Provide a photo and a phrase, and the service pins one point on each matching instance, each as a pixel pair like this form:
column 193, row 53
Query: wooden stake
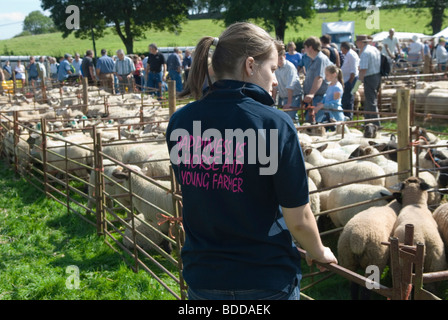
column 403, row 121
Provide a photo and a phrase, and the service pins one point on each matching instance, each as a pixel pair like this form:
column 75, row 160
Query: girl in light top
column 20, row 71
column 333, row 96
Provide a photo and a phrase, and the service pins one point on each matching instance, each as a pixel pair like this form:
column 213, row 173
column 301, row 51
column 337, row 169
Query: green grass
column 406, row 20
column 39, row 240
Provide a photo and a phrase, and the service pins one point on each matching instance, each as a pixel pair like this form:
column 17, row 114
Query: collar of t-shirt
column 238, row 89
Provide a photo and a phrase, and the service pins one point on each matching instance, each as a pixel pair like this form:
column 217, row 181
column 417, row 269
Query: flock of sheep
column 335, row 184
column 366, row 226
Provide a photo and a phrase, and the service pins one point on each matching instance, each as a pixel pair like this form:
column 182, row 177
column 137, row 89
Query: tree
column 273, row 14
column 37, row 23
column 128, row 19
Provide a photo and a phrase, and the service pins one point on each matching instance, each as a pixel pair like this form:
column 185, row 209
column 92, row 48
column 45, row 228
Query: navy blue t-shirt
column 237, row 160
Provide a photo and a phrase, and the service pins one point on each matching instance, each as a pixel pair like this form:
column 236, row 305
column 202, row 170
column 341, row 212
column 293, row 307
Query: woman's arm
column 303, row 227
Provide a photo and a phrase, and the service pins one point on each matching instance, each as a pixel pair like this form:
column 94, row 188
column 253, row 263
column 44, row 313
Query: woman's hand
column 326, row 257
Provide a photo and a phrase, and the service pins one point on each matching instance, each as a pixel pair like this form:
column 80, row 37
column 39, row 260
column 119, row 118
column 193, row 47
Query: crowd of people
column 119, row 73
column 330, row 73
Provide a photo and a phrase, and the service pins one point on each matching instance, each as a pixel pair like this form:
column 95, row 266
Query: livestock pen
column 149, row 236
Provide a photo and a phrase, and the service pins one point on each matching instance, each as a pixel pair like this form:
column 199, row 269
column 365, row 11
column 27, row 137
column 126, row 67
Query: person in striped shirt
column 124, row 69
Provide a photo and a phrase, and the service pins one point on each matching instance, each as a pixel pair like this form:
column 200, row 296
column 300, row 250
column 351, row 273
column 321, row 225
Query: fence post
column 404, row 158
column 44, row 90
column 43, row 146
column 85, row 95
column 99, row 182
column 16, row 140
column 171, row 96
column 180, row 236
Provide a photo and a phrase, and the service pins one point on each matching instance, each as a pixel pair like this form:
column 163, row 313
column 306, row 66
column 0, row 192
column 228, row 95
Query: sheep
column 143, row 155
column 387, row 146
column 314, row 175
column 314, row 198
column 74, row 151
column 117, row 149
column 414, row 198
column 352, row 194
column 443, row 174
column 334, row 173
column 433, row 197
column 144, row 231
column 112, row 188
column 389, row 166
column 359, row 244
column 341, row 154
column 441, row 217
column 146, row 191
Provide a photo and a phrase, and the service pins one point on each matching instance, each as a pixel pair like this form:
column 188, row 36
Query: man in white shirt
column 289, row 89
column 369, row 75
column 441, row 55
column 350, row 72
column 391, row 46
column 416, row 52
column 76, row 63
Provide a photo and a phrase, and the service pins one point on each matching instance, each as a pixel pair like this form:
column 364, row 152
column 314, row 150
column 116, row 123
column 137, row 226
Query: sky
column 12, row 14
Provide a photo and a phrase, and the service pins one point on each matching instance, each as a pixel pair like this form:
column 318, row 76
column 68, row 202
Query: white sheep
column 359, row 244
column 144, row 156
column 314, row 198
column 112, row 186
column 352, row 194
column 143, row 233
column 441, row 217
column 339, row 173
column 414, row 198
column 146, row 191
column 389, row 166
column 56, row 158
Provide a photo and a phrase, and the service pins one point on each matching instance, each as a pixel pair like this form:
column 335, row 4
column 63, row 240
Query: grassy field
column 39, row 240
column 406, row 20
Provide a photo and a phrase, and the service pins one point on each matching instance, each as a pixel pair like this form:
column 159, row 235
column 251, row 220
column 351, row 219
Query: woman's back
column 231, row 212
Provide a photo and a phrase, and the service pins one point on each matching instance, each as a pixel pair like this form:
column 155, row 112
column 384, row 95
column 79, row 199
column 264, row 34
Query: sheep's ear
column 121, row 174
column 378, row 146
column 308, row 151
column 424, row 186
column 398, row 196
column 322, row 147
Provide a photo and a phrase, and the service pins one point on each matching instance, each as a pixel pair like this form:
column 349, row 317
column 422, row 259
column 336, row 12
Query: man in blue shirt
column 32, row 71
column 105, row 71
column 174, row 66
column 65, row 68
column 186, row 64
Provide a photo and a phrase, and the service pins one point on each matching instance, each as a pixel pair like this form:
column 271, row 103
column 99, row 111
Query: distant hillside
column 406, row 20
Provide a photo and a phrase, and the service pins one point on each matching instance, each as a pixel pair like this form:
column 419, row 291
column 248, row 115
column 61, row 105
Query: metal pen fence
column 114, row 199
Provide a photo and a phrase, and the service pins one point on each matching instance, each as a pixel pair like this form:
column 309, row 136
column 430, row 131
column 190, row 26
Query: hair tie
column 215, row 42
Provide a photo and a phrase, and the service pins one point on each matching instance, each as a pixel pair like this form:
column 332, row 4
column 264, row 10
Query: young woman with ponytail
column 239, row 219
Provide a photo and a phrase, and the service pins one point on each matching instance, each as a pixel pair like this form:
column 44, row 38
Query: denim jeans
column 291, row 292
column 348, row 99
column 174, row 75
column 154, row 80
column 296, row 100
